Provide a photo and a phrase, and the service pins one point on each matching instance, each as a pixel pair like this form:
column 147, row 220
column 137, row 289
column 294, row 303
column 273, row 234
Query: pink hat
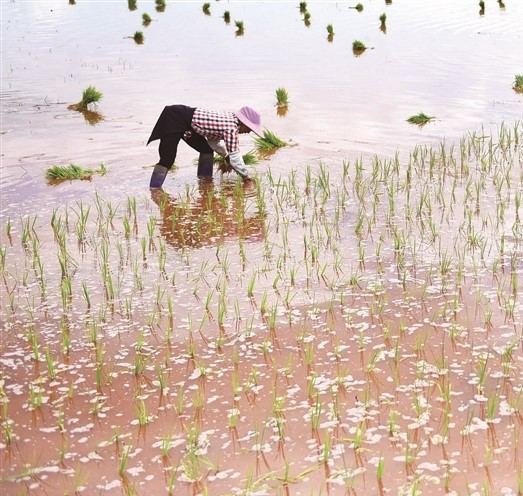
column 251, row 119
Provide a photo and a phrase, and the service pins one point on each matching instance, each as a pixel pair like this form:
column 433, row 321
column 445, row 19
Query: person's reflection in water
column 211, row 217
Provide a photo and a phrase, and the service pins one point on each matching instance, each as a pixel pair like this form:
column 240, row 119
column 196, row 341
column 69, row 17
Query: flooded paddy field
column 350, row 322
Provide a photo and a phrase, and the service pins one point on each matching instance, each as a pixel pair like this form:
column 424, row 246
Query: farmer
column 206, row 131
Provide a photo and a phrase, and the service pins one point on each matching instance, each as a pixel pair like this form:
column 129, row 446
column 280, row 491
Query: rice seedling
column 160, row 5
column 383, row 20
column 141, row 413
column 239, row 28
column 7, row 425
column 132, row 5
column 420, row 119
column 358, row 7
column 57, row 173
column 223, row 166
column 481, row 6
column 146, row 19
column 303, row 7
column 90, row 96
column 124, row 457
column 358, row 47
column 138, row 37
column 307, row 18
column 282, row 97
column 206, row 8
column 330, row 32
column 227, row 17
column 518, row 83
column 269, row 141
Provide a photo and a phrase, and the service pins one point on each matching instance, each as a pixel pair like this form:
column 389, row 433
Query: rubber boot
column 205, row 165
column 158, row 176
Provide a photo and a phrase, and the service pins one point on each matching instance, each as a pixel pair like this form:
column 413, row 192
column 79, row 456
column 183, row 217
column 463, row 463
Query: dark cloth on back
column 173, row 119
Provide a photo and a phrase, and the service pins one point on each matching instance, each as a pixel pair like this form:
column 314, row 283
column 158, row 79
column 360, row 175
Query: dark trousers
column 169, row 146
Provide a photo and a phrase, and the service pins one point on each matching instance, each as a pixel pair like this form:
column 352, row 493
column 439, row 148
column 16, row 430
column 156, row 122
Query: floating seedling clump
column 269, row 141
column 420, row 119
column 383, row 20
column 518, row 83
column 90, row 96
column 282, row 97
column 330, row 33
column 59, row 173
column 239, row 28
column 138, row 37
column 358, row 47
column 307, row 18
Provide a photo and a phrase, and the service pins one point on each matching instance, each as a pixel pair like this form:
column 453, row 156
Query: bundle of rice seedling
column 269, row 141
column 71, row 171
column 420, row 119
column 89, row 96
column 223, row 166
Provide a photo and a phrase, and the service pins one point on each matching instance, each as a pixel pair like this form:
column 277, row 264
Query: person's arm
column 237, row 163
column 218, row 147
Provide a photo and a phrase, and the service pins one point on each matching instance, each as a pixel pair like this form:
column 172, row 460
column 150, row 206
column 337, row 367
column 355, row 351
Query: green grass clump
column 227, row 17
column 206, row 8
column 269, row 141
column 131, row 5
column 518, row 83
column 71, row 171
column 420, row 119
column 160, row 5
column 89, row 96
column 359, row 7
column 282, row 97
column 383, row 18
column 303, row 7
column 146, row 19
column 138, row 37
column 330, row 30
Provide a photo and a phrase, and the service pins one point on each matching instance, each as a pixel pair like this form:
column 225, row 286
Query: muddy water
column 279, row 337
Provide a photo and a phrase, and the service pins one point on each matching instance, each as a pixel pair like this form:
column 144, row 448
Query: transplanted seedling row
column 352, row 326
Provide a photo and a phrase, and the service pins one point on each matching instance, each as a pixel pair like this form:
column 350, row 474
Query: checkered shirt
column 218, row 126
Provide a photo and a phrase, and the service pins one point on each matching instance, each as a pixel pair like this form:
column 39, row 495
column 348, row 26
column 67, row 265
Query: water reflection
column 211, row 216
column 92, row 117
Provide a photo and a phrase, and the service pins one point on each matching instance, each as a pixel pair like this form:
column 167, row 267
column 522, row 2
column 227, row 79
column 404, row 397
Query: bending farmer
column 204, row 130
